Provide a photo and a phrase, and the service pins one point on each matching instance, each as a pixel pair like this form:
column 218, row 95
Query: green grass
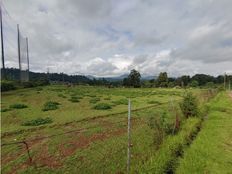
column 211, row 152
column 83, row 139
column 164, row 160
column 18, row 106
column 37, row 122
column 102, row 106
column 69, row 111
column 50, row 105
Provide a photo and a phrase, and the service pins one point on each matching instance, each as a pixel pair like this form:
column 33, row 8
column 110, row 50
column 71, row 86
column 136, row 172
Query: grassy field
column 83, row 129
column 211, row 152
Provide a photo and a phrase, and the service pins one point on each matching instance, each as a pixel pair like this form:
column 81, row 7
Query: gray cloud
column 105, row 37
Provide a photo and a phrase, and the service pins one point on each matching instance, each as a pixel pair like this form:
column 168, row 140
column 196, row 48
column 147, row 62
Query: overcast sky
column 111, row 37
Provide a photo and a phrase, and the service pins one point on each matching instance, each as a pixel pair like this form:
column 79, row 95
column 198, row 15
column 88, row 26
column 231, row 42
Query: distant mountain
column 121, row 77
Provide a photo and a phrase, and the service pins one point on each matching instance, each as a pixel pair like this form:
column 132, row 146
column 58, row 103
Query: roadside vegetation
column 211, row 152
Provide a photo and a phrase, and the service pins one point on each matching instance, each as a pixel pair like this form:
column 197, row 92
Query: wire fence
column 100, row 147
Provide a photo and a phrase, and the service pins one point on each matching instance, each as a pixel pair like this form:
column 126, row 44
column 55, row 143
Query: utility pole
column 3, row 58
column 19, row 54
column 129, row 137
column 28, row 71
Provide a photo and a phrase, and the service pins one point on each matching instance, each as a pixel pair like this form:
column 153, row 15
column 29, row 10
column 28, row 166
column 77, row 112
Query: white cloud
column 106, row 37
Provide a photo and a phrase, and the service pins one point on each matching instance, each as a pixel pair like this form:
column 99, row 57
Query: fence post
column 129, row 138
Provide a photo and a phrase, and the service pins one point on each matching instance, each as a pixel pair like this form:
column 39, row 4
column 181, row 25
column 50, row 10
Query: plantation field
column 83, row 129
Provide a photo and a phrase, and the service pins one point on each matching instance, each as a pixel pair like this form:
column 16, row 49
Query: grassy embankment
column 211, row 152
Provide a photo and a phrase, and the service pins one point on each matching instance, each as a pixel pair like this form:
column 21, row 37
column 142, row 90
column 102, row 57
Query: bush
column 50, row 105
column 94, row 100
column 18, row 106
column 189, row 106
column 37, row 122
column 28, row 84
column 5, row 110
column 161, row 128
column 121, row 102
column 7, row 86
column 102, row 106
column 75, row 99
column 154, row 102
column 61, row 95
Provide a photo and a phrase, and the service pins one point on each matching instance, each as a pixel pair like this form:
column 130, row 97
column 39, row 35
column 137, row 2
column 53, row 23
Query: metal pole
column 3, row 58
column 19, row 56
column 129, row 138
column 28, row 71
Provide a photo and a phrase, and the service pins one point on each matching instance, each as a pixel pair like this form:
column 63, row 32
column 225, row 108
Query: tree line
column 134, row 80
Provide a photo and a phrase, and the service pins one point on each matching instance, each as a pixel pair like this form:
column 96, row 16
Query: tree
column 134, row 79
column 194, row 83
column 202, row 79
column 162, row 80
column 185, row 79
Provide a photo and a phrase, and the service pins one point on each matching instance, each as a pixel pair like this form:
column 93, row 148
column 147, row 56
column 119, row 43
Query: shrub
column 161, row 128
column 61, row 95
column 18, row 106
column 189, row 105
column 102, row 106
column 7, row 86
column 50, row 105
column 154, row 102
column 121, row 102
column 5, row 110
column 37, row 122
column 94, row 100
column 28, row 84
column 107, row 98
column 75, row 99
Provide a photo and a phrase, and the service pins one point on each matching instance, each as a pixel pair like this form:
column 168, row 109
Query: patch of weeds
column 102, row 106
column 107, row 98
column 6, row 109
column 94, row 100
column 38, row 89
column 18, row 106
column 50, row 105
column 120, row 102
column 37, row 122
column 75, row 99
column 61, row 95
column 91, row 95
column 154, row 102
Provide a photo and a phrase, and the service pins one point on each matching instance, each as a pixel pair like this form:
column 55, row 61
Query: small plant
column 50, row 105
column 5, row 110
column 37, row 122
column 61, row 95
column 74, row 99
column 102, row 106
column 120, row 102
column 161, row 127
column 94, row 100
column 154, row 102
column 189, row 105
column 107, row 98
column 18, row 106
